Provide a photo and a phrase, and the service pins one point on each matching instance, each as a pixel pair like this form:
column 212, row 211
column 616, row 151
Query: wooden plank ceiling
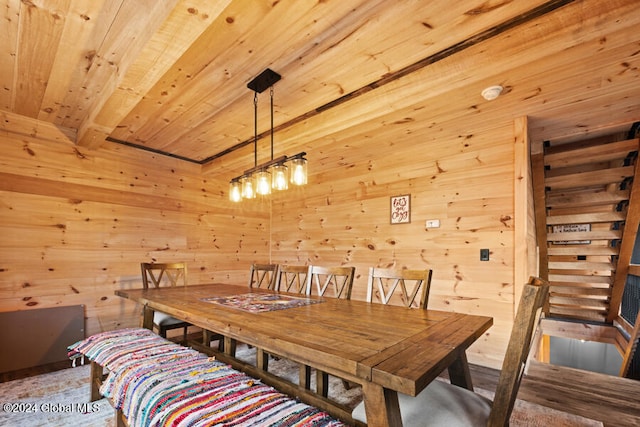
column 171, row 75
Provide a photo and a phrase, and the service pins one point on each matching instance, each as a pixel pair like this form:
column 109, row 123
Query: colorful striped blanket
column 155, row 382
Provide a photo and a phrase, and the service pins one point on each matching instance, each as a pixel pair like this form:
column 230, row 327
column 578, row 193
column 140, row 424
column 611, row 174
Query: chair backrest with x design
column 330, row 281
column 165, row 274
column 412, row 286
column 292, row 278
column 159, row 274
column 263, row 276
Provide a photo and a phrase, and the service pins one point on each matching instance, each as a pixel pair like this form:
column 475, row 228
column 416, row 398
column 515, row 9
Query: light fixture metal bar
column 265, row 165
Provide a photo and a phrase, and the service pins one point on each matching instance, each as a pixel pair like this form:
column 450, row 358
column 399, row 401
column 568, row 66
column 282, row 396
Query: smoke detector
column 492, row 92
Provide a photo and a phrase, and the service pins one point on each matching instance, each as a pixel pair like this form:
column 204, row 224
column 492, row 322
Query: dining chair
column 289, row 278
column 330, row 281
column 292, row 278
column 161, row 274
column 442, row 403
column 336, row 282
column 410, row 286
column 263, row 276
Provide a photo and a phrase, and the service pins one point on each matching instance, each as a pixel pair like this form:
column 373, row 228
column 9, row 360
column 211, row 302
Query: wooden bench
column 152, row 379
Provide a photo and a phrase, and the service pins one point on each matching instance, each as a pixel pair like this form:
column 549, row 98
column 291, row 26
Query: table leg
column 96, row 381
column 305, row 376
column 121, row 420
column 230, row 346
column 322, row 383
column 262, row 359
column 147, row 317
column 459, row 373
column 381, row 406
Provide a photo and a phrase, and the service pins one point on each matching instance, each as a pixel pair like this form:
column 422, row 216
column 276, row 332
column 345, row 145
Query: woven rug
column 61, row 399
column 55, row 399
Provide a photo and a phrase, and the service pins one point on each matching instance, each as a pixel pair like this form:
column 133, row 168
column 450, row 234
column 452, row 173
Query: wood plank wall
column 76, row 223
column 342, row 217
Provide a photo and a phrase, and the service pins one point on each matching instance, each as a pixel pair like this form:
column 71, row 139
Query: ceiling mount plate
column 263, row 81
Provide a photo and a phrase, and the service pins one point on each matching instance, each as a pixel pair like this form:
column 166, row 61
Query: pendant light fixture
column 276, row 174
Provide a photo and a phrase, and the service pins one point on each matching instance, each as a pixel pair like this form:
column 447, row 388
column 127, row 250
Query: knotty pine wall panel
column 465, row 181
column 76, row 223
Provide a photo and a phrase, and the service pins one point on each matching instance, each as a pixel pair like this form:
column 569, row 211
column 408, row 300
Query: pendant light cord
column 271, row 122
column 255, row 129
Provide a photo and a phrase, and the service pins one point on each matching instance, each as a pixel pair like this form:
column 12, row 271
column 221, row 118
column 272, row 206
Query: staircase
column 586, row 223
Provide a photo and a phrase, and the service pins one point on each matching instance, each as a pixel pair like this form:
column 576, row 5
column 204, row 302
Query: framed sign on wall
column 571, row 228
column 401, row 209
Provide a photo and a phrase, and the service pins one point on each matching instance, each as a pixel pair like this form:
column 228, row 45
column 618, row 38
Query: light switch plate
column 432, row 223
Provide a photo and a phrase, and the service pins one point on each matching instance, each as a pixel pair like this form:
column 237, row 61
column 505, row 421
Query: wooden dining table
column 387, row 349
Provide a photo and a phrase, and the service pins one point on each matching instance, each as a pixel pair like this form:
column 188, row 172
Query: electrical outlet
column 484, row 254
column 432, row 223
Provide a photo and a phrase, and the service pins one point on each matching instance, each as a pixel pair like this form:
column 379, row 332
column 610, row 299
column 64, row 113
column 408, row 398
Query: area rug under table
column 55, row 399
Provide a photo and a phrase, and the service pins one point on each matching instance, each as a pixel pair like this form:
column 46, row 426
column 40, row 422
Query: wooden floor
column 606, row 398
column 609, row 399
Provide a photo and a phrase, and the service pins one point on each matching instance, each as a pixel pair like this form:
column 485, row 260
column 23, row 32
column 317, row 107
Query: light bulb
column 263, row 183
column 248, row 190
column 279, row 176
column 235, row 191
column 299, row 171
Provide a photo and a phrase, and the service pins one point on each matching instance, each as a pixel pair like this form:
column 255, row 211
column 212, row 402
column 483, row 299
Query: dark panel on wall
column 37, row 337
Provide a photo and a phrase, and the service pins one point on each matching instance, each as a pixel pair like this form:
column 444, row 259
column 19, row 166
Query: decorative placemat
column 258, row 303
